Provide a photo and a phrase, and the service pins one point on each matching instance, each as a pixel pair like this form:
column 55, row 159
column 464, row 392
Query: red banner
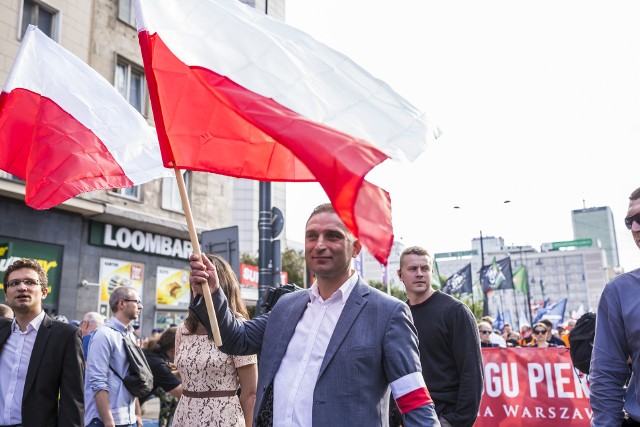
column 532, row 387
column 249, row 276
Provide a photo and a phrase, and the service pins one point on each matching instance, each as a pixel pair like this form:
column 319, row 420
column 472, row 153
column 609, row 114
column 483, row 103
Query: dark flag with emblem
column 459, row 283
column 497, row 275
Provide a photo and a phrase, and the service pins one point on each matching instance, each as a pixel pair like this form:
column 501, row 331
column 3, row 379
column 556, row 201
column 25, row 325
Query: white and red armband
column 410, row 392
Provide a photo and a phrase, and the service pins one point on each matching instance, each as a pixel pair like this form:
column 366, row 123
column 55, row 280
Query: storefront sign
column 115, row 273
column 138, row 241
column 531, row 387
column 249, row 275
column 172, row 287
column 48, row 256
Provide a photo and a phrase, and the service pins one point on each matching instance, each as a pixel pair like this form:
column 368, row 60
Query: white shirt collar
column 34, row 324
column 342, row 293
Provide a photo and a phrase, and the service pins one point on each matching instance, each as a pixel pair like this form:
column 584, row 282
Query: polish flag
column 410, row 392
column 65, row 130
column 238, row 93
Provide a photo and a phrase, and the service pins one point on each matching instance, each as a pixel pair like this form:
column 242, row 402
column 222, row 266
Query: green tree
column 395, row 292
column 248, row 259
column 293, row 264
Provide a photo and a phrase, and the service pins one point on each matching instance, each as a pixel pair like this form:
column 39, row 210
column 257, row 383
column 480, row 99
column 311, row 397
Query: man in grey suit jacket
column 329, row 354
column 47, row 391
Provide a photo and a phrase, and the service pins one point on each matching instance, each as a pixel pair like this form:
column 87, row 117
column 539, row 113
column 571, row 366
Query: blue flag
column 553, row 312
column 499, row 322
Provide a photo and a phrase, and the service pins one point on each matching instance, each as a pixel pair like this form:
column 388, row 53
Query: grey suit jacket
column 374, row 343
column 54, row 386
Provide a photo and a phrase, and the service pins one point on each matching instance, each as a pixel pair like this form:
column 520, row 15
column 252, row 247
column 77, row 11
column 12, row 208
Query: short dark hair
column 328, row 208
column 26, row 263
column 415, row 250
column 635, row 195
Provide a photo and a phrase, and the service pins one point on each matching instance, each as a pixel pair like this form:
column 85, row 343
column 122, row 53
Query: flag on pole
column 238, row 93
column 65, row 130
column 460, row 282
column 520, row 280
column 553, row 312
column 499, row 322
column 497, row 275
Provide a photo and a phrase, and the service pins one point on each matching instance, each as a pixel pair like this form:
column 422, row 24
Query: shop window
column 41, row 15
column 171, row 195
column 126, row 12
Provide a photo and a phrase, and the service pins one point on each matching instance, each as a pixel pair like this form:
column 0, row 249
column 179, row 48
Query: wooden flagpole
column 196, row 249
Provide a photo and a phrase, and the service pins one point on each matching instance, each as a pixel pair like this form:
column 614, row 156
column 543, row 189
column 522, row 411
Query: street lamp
column 485, row 296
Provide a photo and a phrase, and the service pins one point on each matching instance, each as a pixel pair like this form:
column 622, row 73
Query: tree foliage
column 293, row 264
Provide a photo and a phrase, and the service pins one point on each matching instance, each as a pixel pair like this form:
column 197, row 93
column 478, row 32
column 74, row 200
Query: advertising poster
column 115, row 273
column 532, row 387
column 172, row 287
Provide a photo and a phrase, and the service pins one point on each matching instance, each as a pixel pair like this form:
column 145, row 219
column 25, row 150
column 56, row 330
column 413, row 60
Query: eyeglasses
column 137, row 301
column 540, row 331
column 485, row 332
column 28, row 282
column 628, row 221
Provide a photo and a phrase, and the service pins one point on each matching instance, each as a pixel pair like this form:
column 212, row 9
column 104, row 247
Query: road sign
column 570, row 243
column 457, row 254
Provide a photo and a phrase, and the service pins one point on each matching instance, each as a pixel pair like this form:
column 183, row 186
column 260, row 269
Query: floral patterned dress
column 203, row 367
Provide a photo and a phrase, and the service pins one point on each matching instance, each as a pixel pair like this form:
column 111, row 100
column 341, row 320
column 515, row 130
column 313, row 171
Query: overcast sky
column 538, row 102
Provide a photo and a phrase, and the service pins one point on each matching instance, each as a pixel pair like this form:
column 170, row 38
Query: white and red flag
column 238, row 93
column 65, row 130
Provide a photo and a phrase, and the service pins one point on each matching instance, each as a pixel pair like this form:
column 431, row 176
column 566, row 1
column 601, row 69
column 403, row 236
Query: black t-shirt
column 162, row 375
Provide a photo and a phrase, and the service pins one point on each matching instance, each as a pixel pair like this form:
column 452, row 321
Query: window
column 126, row 12
column 41, row 15
column 129, row 192
column 171, row 195
column 130, row 83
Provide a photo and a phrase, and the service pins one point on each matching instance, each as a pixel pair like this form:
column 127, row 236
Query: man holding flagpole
column 328, row 354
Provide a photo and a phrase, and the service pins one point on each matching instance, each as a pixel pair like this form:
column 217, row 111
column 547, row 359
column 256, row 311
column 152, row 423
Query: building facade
column 577, row 273
column 135, row 236
column 597, row 224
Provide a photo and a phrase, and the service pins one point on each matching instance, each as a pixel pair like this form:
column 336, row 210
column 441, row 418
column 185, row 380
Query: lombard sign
column 138, row 241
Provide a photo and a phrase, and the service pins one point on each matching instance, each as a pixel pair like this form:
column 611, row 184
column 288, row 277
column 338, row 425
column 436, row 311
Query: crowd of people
column 543, row 334
column 340, row 353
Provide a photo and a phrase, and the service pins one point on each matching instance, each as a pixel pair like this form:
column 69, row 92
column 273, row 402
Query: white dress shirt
column 14, row 362
column 296, row 378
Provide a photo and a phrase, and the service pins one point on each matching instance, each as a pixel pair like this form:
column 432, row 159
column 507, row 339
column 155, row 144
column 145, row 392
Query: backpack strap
column 124, row 337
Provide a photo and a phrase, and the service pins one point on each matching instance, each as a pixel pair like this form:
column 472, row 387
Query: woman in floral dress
column 210, row 378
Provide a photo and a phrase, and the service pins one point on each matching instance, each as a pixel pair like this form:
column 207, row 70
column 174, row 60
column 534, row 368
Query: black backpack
column 139, row 380
column 581, row 342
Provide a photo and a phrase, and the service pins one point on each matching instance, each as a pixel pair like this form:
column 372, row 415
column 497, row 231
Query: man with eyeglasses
column 617, row 341
column 108, row 403
column 41, row 363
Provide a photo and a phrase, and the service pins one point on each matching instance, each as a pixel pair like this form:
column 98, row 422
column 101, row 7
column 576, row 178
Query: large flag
column 497, row 275
column 460, row 283
column 520, row 280
column 65, row 130
column 553, row 312
column 238, row 93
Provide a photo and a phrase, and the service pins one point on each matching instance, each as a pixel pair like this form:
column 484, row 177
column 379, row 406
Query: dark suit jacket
column 374, row 343
column 56, row 370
